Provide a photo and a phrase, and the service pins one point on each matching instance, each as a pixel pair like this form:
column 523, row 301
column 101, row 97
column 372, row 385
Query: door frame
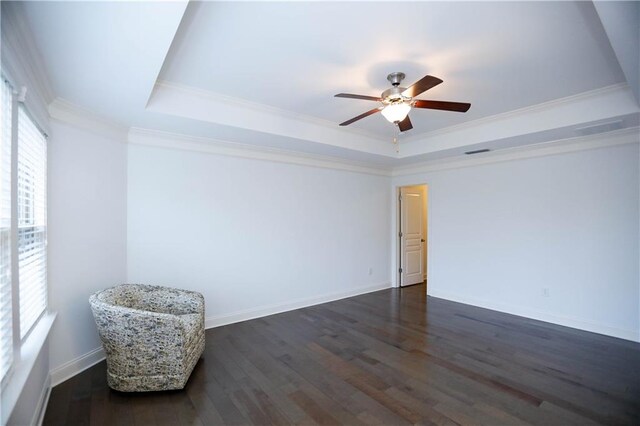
column 396, row 247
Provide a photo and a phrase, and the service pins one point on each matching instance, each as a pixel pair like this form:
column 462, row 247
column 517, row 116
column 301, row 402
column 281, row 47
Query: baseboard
column 41, row 408
column 76, row 366
column 521, row 311
column 264, row 311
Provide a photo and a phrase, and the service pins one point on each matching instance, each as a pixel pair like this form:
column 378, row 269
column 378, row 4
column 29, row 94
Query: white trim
column 91, row 358
column 264, row 311
column 520, row 112
column 148, row 137
column 41, row 408
column 256, row 106
column 525, row 312
column 168, row 140
column 581, row 143
column 76, row 366
column 589, row 96
column 200, row 106
column 67, row 112
column 559, row 119
column 29, row 352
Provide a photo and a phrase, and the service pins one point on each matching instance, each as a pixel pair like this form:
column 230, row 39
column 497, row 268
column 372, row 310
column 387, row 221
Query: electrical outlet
column 545, row 292
column 370, row 271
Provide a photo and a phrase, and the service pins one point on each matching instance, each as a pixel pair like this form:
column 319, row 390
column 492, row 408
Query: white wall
column 254, row 236
column 500, row 233
column 258, row 237
column 87, row 234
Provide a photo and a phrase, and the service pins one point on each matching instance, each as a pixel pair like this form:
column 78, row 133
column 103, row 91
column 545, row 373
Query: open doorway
column 412, row 234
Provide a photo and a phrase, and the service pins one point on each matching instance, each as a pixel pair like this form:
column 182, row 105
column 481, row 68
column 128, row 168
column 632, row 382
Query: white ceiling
column 265, row 73
column 296, row 56
column 104, row 56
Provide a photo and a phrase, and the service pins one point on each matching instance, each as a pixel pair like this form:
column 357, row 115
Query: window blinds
column 32, row 230
column 6, row 323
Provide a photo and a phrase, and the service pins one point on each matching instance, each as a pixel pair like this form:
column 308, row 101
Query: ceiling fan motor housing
column 394, row 95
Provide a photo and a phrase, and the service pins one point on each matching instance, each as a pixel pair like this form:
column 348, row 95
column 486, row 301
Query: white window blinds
column 32, row 229
column 6, row 323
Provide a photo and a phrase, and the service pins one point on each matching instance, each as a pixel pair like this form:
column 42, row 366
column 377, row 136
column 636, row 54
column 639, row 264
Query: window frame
column 15, row 350
column 22, row 341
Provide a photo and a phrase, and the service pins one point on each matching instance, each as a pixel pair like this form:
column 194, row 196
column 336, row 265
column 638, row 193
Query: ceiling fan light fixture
column 396, row 112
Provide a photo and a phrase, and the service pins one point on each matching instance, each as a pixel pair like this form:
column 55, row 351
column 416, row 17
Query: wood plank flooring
column 390, row 357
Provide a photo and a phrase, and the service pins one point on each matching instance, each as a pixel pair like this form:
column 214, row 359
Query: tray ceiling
column 264, row 73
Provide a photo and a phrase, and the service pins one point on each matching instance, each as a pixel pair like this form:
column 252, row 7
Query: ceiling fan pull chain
column 395, row 140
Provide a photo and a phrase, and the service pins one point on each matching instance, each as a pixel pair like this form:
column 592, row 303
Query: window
column 32, row 229
column 23, row 227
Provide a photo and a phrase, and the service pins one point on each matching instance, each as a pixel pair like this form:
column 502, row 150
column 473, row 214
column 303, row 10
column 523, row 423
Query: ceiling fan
column 397, row 101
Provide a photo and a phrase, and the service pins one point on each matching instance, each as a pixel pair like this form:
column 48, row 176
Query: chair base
column 148, row 383
column 160, row 382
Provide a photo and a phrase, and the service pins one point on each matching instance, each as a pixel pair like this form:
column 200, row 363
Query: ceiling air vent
column 599, row 128
column 477, row 151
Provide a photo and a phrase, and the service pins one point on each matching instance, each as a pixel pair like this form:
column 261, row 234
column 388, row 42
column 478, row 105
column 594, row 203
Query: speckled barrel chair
column 152, row 336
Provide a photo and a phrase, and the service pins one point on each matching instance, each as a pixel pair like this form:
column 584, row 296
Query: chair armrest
column 139, row 342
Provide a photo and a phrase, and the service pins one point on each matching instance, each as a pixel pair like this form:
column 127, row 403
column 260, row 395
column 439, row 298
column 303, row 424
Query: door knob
column 422, row 240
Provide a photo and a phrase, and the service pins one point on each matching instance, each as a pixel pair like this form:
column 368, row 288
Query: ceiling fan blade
column 352, row 96
column 361, row 116
column 446, row 106
column 405, row 124
column 422, row 85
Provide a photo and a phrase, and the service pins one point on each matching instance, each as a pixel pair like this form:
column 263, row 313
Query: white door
column 411, row 236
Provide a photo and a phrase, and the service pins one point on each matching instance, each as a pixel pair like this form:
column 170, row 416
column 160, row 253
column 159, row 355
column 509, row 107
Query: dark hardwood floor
column 390, row 357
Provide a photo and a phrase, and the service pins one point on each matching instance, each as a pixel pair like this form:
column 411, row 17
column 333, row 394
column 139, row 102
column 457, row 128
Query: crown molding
column 560, row 102
column 593, row 105
column 161, row 139
column 602, row 140
column 67, row 112
column 256, row 106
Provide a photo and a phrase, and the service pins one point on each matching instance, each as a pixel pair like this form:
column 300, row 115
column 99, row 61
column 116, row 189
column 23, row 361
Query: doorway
column 412, row 234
